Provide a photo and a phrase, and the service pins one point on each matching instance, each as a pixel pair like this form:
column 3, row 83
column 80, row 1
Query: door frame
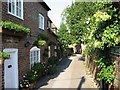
column 15, row 50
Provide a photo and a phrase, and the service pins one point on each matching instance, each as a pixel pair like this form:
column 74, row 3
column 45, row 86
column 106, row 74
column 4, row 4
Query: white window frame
column 49, row 54
column 15, row 8
column 55, row 51
column 49, row 25
column 41, row 21
column 34, row 59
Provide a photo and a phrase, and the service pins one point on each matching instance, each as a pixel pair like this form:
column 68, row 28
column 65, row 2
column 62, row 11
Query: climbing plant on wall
column 105, row 33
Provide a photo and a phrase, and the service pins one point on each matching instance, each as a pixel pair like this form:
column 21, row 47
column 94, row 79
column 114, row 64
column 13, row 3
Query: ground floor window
column 34, row 56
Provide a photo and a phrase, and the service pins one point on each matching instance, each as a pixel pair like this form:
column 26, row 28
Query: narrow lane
column 73, row 75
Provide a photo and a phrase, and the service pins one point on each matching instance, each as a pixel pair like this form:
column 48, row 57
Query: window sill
column 41, row 29
column 15, row 16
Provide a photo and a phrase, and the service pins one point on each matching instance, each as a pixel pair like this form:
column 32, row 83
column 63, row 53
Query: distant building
column 54, row 28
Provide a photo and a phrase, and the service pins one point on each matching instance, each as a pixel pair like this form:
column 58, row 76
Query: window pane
column 17, row 11
column 20, row 4
column 17, row 3
column 9, row 5
column 41, row 21
column 37, row 56
column 13, row 8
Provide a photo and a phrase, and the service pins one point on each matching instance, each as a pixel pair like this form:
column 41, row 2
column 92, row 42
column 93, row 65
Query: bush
column 52, row 60
column 53, row 70
column 44, row 36
column 32, row 76
column 24, row 83
column 35, row 72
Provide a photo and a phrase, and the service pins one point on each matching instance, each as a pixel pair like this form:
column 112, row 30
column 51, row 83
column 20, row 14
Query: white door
column 11, row 69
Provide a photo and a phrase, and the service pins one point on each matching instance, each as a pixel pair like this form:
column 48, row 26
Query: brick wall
column 116, row 59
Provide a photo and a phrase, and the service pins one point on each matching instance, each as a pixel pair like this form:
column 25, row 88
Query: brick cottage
column 23, row 54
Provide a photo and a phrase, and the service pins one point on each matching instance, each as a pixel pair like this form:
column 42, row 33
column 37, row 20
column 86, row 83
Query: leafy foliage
column 44, row 36
column 39, row 43
column 77, row 18
column 107, row 74
column 105, row 31
column 64, row 36
column 52, row 60
column 12, row 26
column 4, row 55
column 98, row 26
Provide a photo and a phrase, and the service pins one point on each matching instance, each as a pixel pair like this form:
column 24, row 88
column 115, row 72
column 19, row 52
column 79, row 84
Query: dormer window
column 15, row 8
column 41, row 21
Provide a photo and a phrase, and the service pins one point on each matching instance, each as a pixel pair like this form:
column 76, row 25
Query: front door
column 11, row 69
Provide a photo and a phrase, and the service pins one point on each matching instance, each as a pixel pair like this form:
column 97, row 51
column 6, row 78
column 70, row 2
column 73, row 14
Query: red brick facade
column 9, row 39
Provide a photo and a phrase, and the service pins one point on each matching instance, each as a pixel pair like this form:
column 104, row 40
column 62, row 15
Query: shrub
column 52, row 60
column 24, row 83
column 32, row 76
column 44, row 36
column 53, row 70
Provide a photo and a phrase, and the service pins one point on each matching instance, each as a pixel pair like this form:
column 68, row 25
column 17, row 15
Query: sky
column 57, row 6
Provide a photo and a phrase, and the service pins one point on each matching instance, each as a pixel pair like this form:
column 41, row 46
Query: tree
column 77, row 18
column 64, row 36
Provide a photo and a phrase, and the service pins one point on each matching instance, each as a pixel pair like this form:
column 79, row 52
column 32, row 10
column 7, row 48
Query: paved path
column 72, row 75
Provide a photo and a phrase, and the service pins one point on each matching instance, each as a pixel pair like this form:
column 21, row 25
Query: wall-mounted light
column 27, row 44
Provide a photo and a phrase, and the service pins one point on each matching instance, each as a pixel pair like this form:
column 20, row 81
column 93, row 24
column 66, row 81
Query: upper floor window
column 34, row 56
column 15, row 7
column 49, row 25
column 41, row 21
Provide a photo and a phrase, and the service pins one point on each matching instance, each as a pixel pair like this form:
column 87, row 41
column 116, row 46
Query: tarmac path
column 73, row 74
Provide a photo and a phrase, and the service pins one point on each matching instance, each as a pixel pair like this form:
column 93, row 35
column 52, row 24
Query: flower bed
column 36, row 72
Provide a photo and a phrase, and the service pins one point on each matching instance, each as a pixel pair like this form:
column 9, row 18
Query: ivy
column 4, row 55
column 12, row 26
column 104, row 34
column 107, row 74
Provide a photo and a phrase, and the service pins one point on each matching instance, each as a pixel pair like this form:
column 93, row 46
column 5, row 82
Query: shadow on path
column 81, row 82
column 63, row 64
column 82, row 58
